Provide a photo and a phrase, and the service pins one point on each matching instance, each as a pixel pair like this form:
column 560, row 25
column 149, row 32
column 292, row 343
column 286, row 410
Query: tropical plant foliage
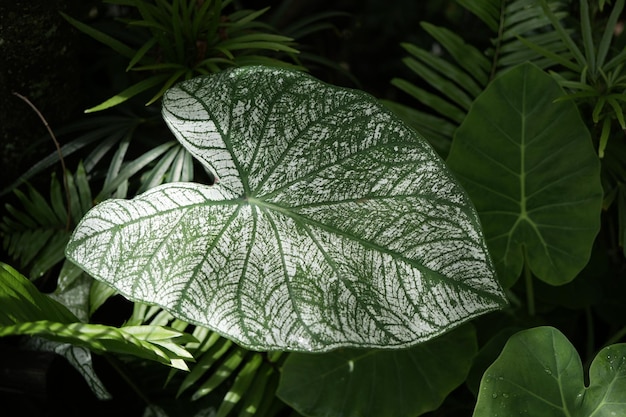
column 538, row 186
column 274, row 255
column 210, row 40
column 522, row 123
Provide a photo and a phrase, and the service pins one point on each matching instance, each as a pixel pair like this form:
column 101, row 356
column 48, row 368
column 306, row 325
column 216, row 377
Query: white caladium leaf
column 331, row 223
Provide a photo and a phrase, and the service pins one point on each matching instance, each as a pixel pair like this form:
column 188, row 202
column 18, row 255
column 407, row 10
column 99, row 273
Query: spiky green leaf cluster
column 458, row 74
column 182, row 38
column 36, row 233
column 26, row 311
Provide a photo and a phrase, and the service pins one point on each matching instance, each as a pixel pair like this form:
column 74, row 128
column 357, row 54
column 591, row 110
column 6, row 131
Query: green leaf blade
column 277, row 255
column 529, row 166
column 372, row 383
column 539, row 373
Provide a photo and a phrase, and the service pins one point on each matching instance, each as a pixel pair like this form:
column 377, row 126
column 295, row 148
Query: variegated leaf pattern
column 330, row 224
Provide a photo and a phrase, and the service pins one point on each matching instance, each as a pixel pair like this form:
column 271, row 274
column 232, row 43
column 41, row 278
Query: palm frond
column 35, row 234
column 489, row 11
column 453, row 83
column 244, row 381
column 26, row 311
column 527, row 19
column 168, row 51
column 447, row 83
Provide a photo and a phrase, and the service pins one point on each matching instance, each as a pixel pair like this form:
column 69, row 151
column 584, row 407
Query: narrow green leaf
column 176, row 76
column 221, row 373
column 585, row 28
column 258, row 390
column 486, row 10
column 84, row 191
column 462, row 79
column 109, row 41
column 597, row 109
column 68, row 149
column 447, row 89
column 609, row 33
column 99, row 293
column 177, row 29
column 97, row 338
column 272, row 46
column 26, row 311
column 565, row 37
column 164, row 67
column 74, row 199
column 253, row 15
column 470, row 58
column 38, row 208
column 132, row 168
column 182, row 168
column 558, row 58
column 21, row 216
column 21, row 301
column 150, row 43
column 130, row 92
column 616, row 62
column 205, row 364
column 314, row 23
column 604, row 136
column 157, row 174
column 51, row 253
column 240, row 385
column 434, row 101
column 618, row 111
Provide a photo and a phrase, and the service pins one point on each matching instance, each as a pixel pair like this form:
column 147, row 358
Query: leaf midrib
column 367, row 244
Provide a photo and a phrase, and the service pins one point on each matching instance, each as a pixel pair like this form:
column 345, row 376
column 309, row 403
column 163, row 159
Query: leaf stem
column 121, row 372
column 590, row 334
column 621, row 333
column 496, row 53
column 58, row 147
column 530, row 291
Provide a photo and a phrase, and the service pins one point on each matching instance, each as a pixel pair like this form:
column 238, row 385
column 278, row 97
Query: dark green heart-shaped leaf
column 376, row 383
column 539, row 373
column 331, row 223
column 528, row 164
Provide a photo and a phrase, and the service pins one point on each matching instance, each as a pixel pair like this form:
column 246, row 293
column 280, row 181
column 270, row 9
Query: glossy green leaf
column 331, row 222
column 487, row 10
column 107, row 339
column 374, row 383
column 111, row 42
column 130, row 92
column 530, row 168
column 539, row 373
column 26, row 311
column 21, row 301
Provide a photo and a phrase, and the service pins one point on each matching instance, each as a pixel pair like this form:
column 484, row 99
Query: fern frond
column 527, row 19
column 453, row 83
column 449, row 82
column 26, row 311
column 489, row 11
column 35, row 234
column 245, row 381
